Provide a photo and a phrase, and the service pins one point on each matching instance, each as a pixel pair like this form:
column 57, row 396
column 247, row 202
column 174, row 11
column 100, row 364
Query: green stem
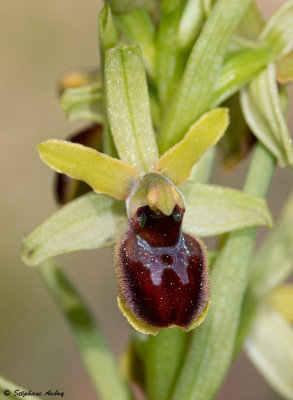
column 94, row 349
column 164, row 359
column 212, row 344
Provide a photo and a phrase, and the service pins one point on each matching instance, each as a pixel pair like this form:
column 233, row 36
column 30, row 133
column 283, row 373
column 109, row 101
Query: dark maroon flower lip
column 162, row 273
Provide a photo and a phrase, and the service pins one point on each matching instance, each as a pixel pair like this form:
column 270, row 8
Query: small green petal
column 128, row 107
column 278, row 31
column 90, row 222
column 270, row 348
column 103, row 173
column 177, row 162
column 83, row 102
column 212, row 210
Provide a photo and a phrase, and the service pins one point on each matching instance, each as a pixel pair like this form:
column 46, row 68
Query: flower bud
column 67, row 189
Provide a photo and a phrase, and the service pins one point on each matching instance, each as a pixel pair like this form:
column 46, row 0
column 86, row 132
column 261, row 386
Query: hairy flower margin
column 169, row 111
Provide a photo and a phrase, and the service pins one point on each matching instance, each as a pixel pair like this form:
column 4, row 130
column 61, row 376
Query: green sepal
column 213, row 210
column 103, row 173
column 128, row 107
column 83, row 102
column 90, row 222
column 177, row 162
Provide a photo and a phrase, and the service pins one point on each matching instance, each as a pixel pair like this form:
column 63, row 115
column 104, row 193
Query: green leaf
column 273, row 262
column 263, row 112
column 103, row 173
column 270, row 348
column 138, row 28
column 95, row 352
column 194, row 95
column 12, row 387
column 278, row 31
column 211, row 345
column 281, row 299
column 238, row 69
column 177, row 162
column 83, row 102
column 90, row 222
column 285, row 69
column 128, row 107
column 212, row 210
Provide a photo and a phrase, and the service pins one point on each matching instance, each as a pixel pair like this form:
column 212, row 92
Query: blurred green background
column 40, row 40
